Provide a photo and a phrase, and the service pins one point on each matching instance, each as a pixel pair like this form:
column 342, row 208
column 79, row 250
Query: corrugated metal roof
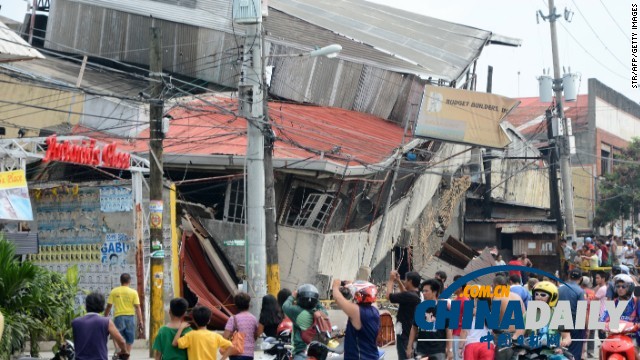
column 200, row 279
column 329, row 135
column 485, row 260
column 211, row 14
column 14, row 48
column 65, row 73
column 393, row 39
column 438, row 48
column 529, row 116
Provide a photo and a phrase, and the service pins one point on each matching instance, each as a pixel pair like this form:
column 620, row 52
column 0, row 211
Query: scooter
column 619, row 345
column 65, row 352
column 278, row 348
column 333, row 350
column 319, row 351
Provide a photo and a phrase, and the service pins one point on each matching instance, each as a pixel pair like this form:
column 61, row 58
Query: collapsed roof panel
column 14, row 48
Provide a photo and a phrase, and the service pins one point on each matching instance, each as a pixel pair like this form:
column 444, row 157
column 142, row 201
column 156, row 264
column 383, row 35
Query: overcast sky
column 596, row 43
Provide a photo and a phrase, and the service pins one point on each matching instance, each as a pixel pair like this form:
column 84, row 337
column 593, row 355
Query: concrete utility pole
column 251, row 105
column 156, row 109
column 271, row 226
column 563, row 139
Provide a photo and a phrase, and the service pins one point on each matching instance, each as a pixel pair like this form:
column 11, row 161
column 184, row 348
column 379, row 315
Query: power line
column 591, row 55
column 615, row 21
column 598, row 36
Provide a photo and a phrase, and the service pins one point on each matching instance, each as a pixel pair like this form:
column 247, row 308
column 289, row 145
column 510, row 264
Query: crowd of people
column 585, row 270
column 600, row 252
column 616, row 283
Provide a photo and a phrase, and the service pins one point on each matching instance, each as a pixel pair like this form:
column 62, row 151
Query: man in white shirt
column 629, row 254
column 601, row 295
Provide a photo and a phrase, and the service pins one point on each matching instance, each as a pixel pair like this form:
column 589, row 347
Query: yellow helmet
column 549, row 288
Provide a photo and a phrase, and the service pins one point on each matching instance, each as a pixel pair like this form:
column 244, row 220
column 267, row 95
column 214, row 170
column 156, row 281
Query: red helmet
column 285, row 327
column 363, row 292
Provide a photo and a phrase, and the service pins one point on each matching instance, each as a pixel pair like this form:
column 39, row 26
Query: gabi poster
column 14, row 196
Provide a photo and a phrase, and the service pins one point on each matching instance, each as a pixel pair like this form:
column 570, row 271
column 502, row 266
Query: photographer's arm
column 352, row 310
column 390, row 283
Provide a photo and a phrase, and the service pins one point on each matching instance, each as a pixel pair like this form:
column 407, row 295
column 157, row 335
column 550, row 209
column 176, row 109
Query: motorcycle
column 278, row 348
column 65, row 352
column 334, row 348
column 319, row 351
column 619, row 343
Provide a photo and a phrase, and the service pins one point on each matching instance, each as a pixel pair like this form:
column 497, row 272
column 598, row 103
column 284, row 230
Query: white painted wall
column 616, row 121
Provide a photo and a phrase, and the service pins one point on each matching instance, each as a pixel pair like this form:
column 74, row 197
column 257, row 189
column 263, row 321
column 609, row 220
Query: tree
column 36, row 303
column 619, row 191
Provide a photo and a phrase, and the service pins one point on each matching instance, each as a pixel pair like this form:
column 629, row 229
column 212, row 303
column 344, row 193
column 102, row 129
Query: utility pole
column 563, row 138
column 253, row 107
column 156, row 109
column 487, row 158
column 32, row 20
column 251, row 104
column 554, row 197
column 271, row 227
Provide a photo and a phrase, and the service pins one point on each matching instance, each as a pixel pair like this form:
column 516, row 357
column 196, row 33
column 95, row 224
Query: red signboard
column 86, row 153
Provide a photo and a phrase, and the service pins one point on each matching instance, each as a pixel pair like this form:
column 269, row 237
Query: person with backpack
column 303, row 308
column 364, row 319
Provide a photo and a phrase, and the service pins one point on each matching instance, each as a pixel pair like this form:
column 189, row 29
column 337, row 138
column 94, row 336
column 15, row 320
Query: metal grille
column 315, row 211
column 234, row 202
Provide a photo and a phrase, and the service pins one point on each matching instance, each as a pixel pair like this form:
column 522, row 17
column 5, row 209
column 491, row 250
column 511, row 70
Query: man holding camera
column 407, row 299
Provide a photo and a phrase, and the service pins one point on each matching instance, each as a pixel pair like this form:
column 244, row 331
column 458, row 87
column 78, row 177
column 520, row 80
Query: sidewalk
column 140, row 350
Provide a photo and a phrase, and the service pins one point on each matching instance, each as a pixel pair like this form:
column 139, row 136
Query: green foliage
column 36, row 303
column 619, row 192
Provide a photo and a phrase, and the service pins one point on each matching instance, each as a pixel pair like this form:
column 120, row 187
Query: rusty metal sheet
column 14, row 48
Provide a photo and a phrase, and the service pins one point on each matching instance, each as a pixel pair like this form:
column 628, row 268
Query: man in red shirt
column 515, row 260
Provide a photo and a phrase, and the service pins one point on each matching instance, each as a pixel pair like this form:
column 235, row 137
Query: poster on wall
column 14, row 196
column 115, row 248
column 115, row 198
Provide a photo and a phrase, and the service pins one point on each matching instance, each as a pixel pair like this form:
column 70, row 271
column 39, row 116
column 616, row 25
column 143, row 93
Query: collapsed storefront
column 89, row 209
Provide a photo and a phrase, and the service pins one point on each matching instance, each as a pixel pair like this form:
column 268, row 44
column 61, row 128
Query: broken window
column 234, row 202
column 315, row 211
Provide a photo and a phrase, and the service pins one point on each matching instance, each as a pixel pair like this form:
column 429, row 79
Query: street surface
column 140, row 352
